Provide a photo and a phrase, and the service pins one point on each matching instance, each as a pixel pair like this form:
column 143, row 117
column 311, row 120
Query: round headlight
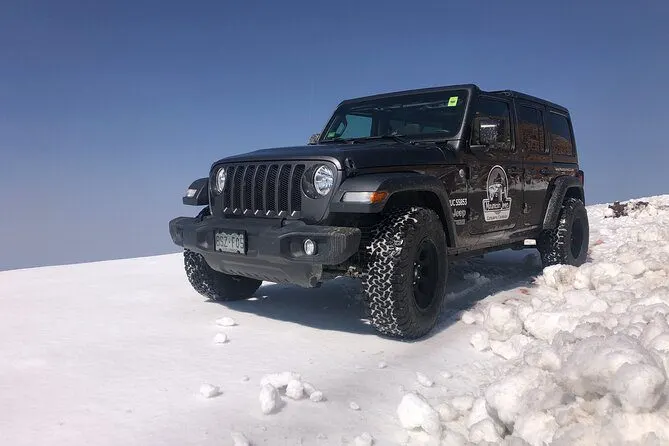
column 323, row 180
column 220, row 180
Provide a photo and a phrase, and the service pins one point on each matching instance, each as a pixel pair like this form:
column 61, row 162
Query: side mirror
column 488, row 131
column 313, row 139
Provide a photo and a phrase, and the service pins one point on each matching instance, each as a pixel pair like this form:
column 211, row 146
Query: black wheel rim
column 576, row 238
column 425, row 274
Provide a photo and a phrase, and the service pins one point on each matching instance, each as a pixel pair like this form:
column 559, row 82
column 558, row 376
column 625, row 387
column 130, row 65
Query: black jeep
column 395, row 187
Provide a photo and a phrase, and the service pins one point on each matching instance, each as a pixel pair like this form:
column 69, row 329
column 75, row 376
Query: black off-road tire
column 567, row 244
column 216, row 285
column 388, row 280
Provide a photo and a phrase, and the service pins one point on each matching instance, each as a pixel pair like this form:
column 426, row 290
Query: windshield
column 424, row 115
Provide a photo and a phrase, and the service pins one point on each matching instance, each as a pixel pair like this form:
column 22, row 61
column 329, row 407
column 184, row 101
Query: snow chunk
column 269, row 398
column 226, row 322
column 382, row 365
column 280, row 380
column 316, row 396
column 480, row 340
column 220, row 338
column 472, row 317
column 415, row 412
column 446, row 375
column 635, row 267
column 447, row 412
column 529, row 389
column 543, row 356
column 545, row 325
column 512, row 348
column 452, row 438
column 308, row 388
column 502, row 321
column 353, row 405
column 462, row 403
column 639, row 387
column 209, row 390
column 654, row 329
column 479, row 412
column 239, row 439
column 364, row 439
column 537, row 428
column 485, row 430
column 423, row 380
column 602, row 365
column 295, row 389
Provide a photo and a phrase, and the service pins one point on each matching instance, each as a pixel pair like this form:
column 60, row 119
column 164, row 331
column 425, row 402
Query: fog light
column 309, row 247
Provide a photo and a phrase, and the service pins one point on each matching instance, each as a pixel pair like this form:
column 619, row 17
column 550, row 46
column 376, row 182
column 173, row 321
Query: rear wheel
column 567, row 244
column 406, row 272
column 216, row 285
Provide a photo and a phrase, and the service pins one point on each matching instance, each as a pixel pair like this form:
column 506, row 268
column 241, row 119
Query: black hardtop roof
column 470, row 87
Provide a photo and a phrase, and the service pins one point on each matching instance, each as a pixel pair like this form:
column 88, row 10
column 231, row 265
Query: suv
column 395, row 188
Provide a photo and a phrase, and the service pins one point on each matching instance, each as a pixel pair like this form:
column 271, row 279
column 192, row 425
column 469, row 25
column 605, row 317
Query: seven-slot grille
column 263, row 189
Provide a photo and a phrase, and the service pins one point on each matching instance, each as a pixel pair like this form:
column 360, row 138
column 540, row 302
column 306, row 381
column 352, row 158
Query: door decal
column 497, row 206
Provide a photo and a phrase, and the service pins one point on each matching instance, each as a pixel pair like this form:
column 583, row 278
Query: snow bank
column 587, row 347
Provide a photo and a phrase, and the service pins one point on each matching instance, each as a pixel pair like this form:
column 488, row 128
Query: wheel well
column 423, row 199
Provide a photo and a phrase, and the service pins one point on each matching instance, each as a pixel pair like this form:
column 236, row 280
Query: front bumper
column 273, row 251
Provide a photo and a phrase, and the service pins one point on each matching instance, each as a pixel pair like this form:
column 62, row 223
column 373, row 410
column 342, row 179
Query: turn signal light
column 365, row 197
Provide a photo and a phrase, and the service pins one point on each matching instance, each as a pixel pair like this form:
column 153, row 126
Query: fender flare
column 558, row 191
column 197, row 193
column 394, row 183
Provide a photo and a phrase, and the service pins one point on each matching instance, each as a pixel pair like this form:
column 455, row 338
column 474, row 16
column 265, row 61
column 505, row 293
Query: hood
column 367, row 155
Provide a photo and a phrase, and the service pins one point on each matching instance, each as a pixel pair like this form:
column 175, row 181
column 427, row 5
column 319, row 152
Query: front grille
column 263, row 189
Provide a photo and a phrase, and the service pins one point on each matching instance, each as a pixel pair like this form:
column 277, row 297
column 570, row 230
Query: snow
column 226, row 322
column 220, row 338
column 121, row 352
column 423, row 380
column 269, row 398
column 209, row 390
column 364, row 439
column 239, row 439
column 415, row 412
column 295, row 389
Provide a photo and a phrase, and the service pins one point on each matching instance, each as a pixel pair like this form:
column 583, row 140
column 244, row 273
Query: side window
column 500, row 112
column 558, row 128
column 531, row 129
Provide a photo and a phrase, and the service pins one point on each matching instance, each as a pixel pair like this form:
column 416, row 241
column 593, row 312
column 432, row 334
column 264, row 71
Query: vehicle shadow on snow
column 337, row 305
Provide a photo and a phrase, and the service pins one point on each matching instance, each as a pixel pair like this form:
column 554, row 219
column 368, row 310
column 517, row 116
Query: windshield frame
column 425, row 95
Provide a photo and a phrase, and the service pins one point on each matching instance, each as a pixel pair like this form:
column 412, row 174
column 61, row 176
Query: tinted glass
column 531, row 129
column 356, row 126
column 498, row 111
column 561, row 142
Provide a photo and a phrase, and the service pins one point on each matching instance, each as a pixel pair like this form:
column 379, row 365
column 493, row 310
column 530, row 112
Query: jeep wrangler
column 394, row 188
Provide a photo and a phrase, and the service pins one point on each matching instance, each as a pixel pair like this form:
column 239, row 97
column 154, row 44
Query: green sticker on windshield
column 332, row 134
column 453, row 101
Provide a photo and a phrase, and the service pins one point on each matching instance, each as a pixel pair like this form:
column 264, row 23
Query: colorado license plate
column 230, row 241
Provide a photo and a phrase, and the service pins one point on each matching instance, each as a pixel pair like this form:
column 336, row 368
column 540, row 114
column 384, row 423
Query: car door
column 531, row 143
column 496, row 174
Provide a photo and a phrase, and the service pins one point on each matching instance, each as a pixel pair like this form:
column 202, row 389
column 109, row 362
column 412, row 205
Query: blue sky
column 109, row 109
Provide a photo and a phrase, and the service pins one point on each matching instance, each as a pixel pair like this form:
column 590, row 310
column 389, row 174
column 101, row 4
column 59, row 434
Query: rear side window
column 531, row 129
column 499, row 111
column 560, row 135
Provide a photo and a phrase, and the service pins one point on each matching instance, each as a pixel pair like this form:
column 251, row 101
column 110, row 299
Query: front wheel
column 567, row 244
column 406, row 272
column 216, row 285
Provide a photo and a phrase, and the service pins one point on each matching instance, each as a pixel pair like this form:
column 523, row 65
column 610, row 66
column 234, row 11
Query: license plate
column 230, row 241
